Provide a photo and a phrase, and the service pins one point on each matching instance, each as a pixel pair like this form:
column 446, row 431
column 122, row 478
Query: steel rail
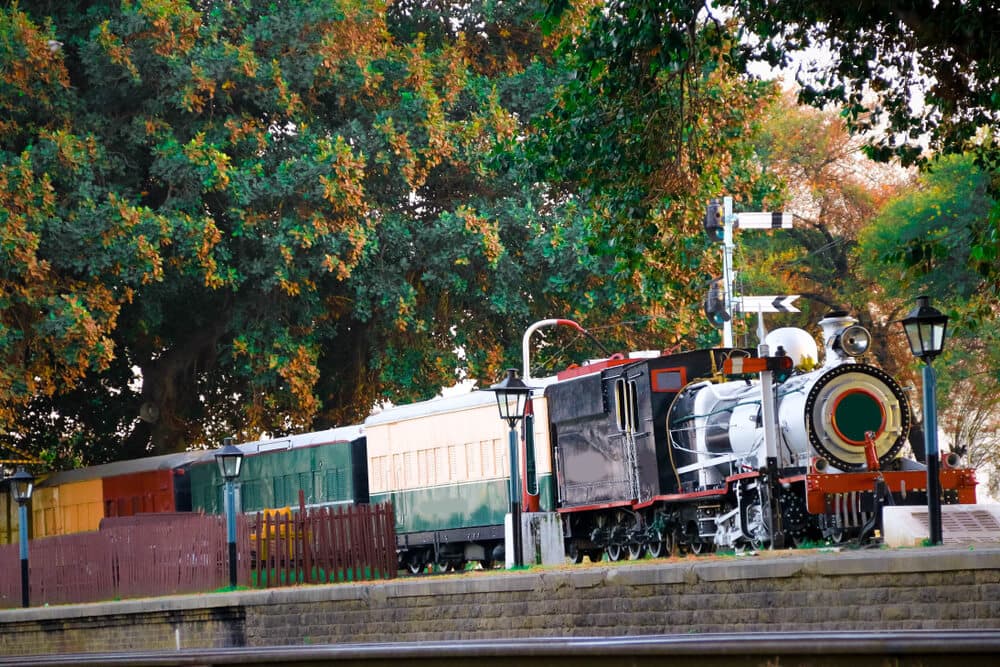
column 916, row 647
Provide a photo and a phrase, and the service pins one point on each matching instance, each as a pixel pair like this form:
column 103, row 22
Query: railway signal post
column 721, row 302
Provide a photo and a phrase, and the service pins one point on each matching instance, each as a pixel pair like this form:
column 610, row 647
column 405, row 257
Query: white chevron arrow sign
column 767, row 304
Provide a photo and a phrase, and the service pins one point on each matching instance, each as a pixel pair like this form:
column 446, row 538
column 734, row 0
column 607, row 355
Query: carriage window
column 452, row 462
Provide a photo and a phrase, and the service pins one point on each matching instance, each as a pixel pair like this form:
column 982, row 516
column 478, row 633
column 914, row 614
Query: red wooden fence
column 348, row 543
column 163, row 554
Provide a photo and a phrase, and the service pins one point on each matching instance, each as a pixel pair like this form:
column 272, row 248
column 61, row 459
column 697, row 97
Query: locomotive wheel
column 757, row 526
column 595, row 555
column 698, row 547
column 636, row 550
column 660, row 546
column 415, row 565
column 575, row 553
column 615, row 552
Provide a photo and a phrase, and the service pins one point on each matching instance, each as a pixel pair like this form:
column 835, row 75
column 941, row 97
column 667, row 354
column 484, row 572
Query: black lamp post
column 230, row 460
column 512, row 394
column 925, row 328
column 21, row 486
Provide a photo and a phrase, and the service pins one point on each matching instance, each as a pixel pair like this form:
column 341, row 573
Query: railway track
column 927, row 648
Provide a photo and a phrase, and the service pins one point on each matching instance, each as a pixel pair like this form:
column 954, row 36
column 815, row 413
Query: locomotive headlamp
column 925, row 328
column 854, row 341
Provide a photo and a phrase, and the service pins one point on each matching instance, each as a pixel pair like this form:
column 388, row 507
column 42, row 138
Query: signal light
column 715, row 305
column 714, row 219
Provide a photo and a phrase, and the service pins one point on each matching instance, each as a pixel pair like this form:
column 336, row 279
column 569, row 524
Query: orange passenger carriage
column 74, row 501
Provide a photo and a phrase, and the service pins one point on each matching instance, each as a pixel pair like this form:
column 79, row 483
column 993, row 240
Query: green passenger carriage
column 328, row 466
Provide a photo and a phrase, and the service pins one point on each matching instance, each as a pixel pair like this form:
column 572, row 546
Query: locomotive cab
column 607, row 427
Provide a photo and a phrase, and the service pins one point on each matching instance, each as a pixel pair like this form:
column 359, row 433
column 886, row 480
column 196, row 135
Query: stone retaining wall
column 868, row 590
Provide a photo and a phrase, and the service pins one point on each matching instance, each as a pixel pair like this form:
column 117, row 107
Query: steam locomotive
column 655, row 452
column 638, row 453
column 673, row 454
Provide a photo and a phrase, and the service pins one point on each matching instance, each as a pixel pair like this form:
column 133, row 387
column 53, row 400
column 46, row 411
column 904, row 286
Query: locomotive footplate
column 908, row 487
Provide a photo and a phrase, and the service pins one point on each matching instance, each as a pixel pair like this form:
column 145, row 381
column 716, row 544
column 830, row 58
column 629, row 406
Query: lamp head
column 21, row 486
column 230, row 460
column 925, row 328
column 512, row 395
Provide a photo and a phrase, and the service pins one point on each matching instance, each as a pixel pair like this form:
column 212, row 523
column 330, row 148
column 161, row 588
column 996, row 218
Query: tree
column 834, row 192
column 652, row 123
column 907, row 76
column 920, row 244
column 232, row 218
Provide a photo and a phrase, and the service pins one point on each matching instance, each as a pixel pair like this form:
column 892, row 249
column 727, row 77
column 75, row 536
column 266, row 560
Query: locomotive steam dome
column 798, row 344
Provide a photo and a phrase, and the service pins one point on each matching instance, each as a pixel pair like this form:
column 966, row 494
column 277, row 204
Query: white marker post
column 770, row 419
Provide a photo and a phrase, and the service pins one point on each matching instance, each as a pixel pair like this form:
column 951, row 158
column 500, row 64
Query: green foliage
column 926, row 233
column 905, row 75
column 921, row 243
column 242, row 217
column 916, row 74
column 652, row 122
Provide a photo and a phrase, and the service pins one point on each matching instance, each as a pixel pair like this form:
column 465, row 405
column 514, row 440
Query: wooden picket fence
column 165, row 554
column 321, row 545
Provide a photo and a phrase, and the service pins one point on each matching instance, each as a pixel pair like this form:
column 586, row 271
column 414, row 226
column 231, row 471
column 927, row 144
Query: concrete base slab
column 909, row 526
column 541, row 539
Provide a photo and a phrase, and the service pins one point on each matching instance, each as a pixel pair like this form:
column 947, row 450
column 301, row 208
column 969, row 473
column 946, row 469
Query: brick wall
column 903, row 589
